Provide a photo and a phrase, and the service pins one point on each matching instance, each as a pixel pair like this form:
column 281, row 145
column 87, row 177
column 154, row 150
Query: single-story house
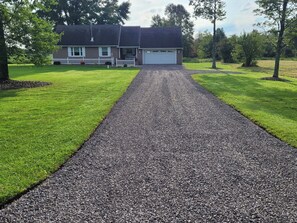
column 119, row 45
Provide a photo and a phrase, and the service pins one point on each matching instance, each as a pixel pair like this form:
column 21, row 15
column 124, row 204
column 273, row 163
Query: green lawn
column 207, row 66
column 41, row 127
column 288, row 68
column 270, row 104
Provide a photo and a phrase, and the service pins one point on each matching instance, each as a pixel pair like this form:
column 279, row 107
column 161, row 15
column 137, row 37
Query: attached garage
column 162, row 56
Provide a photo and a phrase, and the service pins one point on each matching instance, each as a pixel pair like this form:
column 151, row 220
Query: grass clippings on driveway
column 41, row 127
column 270, row 104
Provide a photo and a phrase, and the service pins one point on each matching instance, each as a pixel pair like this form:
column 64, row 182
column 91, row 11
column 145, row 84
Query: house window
column 104, row 51
column 76, row 51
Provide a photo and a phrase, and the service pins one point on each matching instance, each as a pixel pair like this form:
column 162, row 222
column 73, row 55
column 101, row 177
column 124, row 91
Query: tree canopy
column 77, row 12
column 212, row 10
column 280, row 16
column 177, row 15
column 251, row 47
column 21, row 27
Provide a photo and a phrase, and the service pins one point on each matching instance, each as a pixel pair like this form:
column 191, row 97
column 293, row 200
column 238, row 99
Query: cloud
column 247, row 7
column 240, row 16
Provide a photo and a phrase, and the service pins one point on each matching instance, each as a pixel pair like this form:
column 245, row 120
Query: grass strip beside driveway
column 270, row 104
column 41, row 127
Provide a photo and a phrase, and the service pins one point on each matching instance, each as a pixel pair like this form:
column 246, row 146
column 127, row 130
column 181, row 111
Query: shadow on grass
column 21, row 71
column 257, row 69
column 9, row 93
column 275, row 98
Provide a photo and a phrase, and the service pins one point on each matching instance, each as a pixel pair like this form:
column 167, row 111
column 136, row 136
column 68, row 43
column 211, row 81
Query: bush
column 226, row 48
column 125, row 65
column 57, row 62
column 39, row 60
column 19, row 59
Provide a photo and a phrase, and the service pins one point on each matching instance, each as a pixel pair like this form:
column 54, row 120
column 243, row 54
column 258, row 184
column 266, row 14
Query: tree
column 291, row 37
column 278, row 14
column 212, row 10
column 226, row 49
column 158, row 21
column 20, row 27
column 77, row 12
column 3, row 50
column 251, row 46
column 268, row 44
column 177, row 15
column 204, row 43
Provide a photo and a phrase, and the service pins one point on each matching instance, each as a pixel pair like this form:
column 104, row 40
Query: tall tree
column 3, row 50
column 158, row 21
column 278, row 14
column 20, row 27
column 212, row 10
column 77, row 12
column 177, row 15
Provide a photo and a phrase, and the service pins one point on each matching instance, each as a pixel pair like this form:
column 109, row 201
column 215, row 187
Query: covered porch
column 127, row 57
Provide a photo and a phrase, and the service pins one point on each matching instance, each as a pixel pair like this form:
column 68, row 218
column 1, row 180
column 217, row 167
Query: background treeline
column 245, row 48
column 28, row 26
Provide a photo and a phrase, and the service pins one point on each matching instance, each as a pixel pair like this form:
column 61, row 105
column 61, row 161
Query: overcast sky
column 240, row 16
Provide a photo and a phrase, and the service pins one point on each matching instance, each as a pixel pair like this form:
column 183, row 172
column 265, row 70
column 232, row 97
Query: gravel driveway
column 169, row 152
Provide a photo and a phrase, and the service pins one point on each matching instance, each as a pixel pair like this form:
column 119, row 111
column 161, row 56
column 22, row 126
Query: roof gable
column 161, row 37
column 130, row 36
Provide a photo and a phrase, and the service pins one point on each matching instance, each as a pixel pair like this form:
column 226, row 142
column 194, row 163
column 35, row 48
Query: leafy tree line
column 21, row 28
column 78, row 12
column 245, row 48
column 27, row 26
column 177, row 15
column 279, row 16
column 212, row 10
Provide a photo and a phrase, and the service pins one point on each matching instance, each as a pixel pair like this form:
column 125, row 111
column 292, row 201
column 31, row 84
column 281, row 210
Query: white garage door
column 159, row 57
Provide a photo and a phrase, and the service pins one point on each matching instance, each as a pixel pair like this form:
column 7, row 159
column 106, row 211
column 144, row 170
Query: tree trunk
column 3, row 52
column 214, row 46
column 248, row 62
column 214, row 65
column 280, row 39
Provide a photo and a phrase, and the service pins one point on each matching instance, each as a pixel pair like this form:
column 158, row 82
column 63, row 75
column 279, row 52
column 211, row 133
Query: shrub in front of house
column 57, row 62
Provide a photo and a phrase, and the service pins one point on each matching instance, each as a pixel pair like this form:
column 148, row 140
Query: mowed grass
column 41, row 127
column 288, row 68
column 270, row 104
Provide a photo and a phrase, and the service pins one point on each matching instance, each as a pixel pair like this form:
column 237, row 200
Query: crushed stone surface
column 169, row 151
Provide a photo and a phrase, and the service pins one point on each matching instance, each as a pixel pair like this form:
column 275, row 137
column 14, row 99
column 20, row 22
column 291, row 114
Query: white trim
column 121, row 63
column 73, row 60
column 161, row 48
column 108, row 51
column 88, row 46
column 128, row 47
column 71, row 52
